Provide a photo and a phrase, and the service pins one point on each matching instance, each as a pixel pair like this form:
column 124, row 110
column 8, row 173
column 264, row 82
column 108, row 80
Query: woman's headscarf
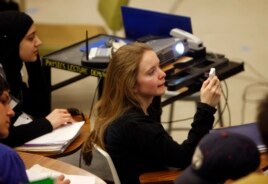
column 14, row 26
column 34, row 98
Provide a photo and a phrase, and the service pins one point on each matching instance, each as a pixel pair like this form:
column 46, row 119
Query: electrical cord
column 90, row 113
column 260, row 81
column 226, row 105
column 94, row 96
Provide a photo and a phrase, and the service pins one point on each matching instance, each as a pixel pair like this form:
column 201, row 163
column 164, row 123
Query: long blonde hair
column 118, row 94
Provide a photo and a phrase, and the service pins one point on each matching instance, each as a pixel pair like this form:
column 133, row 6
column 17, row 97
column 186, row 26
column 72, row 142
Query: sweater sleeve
column 12, row 169
column 36, row 100
column 20, row 134
column 158, row 146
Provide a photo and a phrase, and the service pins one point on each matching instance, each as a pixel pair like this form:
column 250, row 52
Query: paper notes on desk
column 54, row 142
column 37, row 172
column 23, row 119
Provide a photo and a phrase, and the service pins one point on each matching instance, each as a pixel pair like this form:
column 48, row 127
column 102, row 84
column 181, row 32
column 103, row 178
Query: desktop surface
column 31, row 160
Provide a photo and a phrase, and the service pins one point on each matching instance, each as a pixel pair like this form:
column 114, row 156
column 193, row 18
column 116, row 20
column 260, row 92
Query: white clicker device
column 212, row 72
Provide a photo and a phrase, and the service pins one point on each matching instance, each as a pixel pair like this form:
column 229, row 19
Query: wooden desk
column 160, row 177
column 30, row 159
column 167, row 177
column 264, row 161
column 75, row 145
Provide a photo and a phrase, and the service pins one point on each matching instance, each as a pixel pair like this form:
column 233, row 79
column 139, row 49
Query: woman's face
column 29, row 45
column 150, row 79
column 6, row 113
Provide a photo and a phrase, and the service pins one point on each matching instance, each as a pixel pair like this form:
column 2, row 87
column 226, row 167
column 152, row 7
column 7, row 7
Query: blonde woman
column 125, row 125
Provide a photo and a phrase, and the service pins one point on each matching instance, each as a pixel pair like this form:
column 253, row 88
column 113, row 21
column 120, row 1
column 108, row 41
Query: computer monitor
column 140, row 23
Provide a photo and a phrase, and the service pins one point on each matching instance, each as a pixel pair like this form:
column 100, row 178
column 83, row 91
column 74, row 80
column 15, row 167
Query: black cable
column 90, row 112
column 94, row 96
column 226, row 105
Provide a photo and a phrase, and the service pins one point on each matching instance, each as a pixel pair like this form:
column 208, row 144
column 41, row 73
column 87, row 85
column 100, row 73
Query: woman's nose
column 162, row 73
column 38, row 41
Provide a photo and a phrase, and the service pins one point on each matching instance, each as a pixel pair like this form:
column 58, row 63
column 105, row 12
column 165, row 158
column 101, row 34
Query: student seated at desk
column 12, row 169
column 125, row 122
column 19, row 45
column 262, row 121
column 221, row 157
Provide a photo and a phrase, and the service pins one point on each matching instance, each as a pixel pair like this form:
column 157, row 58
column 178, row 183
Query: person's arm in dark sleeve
column 23, row 133
column 155, row 143
column 202, row 124
column 37, row 99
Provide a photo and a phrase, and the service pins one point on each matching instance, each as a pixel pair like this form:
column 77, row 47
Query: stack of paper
column 54, row 142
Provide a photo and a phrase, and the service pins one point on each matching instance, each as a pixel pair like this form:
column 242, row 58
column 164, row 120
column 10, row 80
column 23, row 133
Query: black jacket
column 138, row 144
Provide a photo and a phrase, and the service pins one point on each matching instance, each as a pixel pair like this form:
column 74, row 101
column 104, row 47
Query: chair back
column 110, row 163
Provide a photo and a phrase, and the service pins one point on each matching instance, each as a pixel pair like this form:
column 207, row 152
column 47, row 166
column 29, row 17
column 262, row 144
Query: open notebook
column 250, row 130
column 54, row 142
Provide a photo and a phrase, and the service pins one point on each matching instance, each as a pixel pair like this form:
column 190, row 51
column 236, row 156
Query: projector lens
column 179, row 48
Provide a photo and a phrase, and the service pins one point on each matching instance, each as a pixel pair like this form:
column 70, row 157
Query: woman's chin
column 162, row 91
column 33, row 59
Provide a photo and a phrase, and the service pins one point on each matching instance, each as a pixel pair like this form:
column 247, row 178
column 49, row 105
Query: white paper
column 37, row 172
column 59, row 135
column 23, row 119
column 13, row 102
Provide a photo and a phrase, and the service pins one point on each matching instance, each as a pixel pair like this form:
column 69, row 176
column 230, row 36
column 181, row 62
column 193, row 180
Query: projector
column 194, row 42
column 169, row 49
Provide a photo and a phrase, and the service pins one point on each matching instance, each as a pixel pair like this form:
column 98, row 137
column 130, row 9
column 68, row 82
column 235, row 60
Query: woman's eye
column 151, row 71
column 31, row 38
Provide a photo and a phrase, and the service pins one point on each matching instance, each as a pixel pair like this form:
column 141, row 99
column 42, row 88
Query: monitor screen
column 139, row 23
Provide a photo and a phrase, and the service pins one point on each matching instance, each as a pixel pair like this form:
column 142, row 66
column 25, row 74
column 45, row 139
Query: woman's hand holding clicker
column 211, row 91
